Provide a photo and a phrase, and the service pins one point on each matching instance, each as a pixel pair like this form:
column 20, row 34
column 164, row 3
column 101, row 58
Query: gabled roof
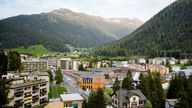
column 129, row 93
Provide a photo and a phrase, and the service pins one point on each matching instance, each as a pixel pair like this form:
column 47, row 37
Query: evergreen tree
column 50, row 76
column 116, row 85
column 144, row 86
column 81, row 68
column 91, row 100
column 84, row 105
column 100, row 99
column 14, row 61
column 58, row 76
column 4, row 92
column 148, row 104
column 3, row 64
column 127, row 82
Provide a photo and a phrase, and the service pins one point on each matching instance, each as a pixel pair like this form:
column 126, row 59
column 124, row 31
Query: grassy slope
column 36, row 50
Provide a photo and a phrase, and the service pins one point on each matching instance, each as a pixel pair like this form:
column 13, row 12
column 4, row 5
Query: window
column 140, row 102
column 68, row 104
column 134, row 98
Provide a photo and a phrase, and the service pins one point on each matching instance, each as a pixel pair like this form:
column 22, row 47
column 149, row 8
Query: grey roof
column 136, row 92
column 28, row 83
column 129, row 93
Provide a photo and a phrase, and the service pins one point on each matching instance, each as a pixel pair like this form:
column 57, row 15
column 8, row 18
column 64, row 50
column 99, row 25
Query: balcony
column 27, row 95
column 36, row 87
column 35, row 99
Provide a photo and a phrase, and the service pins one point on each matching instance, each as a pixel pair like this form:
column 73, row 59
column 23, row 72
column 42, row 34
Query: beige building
column 92, row 82
column 34, row 65
column 28, row 89
column 157, row 68
column 72, row 100
column 129, row 99
column 29, row 93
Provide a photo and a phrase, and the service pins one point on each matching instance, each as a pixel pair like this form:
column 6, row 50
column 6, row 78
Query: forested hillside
column 60, row 27
column 170, row 29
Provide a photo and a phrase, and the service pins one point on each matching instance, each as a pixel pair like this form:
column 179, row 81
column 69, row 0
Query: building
column 28, row 93
column 28, row 89
column 170, row 103
column 129, row 99
column 52, row 62
column 71, row 100
column 34, row 65
column 141, row 61
column 67, row 64
column 92, row 82
column 157, row 68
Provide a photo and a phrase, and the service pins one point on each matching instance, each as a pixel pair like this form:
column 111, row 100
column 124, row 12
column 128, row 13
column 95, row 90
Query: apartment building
column 67, row 64
column 52, row 62
column 92, row 82
column 34, row 65
column 28, row 89
column 28, row 93
column 157, row 68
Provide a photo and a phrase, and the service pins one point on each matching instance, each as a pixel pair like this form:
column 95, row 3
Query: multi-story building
column 157, row 68
column 92, row 82
column 67, row 64
column 52, row 62
column 28, row 93
column 129, row 99
column 34, row 65
column 28, row 89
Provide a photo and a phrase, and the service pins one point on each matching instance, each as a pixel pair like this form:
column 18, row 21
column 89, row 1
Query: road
column 71, row 85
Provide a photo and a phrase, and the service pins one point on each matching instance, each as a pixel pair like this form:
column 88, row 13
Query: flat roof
column 71, row 97
column 28, row 83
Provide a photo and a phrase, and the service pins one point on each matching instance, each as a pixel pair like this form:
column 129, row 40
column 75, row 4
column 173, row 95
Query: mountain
column 170, row 29
column 63, row 26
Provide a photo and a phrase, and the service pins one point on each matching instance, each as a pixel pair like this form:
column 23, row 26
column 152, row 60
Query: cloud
column 143, row 9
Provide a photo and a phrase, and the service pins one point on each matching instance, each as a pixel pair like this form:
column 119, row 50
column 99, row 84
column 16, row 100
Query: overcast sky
column 142, row 9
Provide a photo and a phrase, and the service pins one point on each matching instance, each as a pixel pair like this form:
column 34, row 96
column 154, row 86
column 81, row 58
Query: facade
column 34, row 65
column 92, row 82
column 157, row 68
column 67, row 64
column 129, row 99
column 170, row 103
column 28, row 89
column 71, row 100
column 29, row 93
column 52, row 62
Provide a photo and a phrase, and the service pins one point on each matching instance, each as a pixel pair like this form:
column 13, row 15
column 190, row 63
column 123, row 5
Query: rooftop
column 172, row 101
column 71, row 97
column 34, row 82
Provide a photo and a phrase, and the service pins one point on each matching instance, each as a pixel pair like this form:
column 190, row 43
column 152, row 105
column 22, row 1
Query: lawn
column 56, row 90
column 35, row 50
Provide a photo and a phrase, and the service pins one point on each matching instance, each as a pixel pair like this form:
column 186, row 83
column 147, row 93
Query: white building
column 67, row 64
column 34, row 65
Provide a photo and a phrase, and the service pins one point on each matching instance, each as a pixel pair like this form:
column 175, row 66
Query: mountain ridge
column 170, row 29
column 63, row 26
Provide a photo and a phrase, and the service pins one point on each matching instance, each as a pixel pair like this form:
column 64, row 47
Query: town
column 53, row 81
column 96, row 54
